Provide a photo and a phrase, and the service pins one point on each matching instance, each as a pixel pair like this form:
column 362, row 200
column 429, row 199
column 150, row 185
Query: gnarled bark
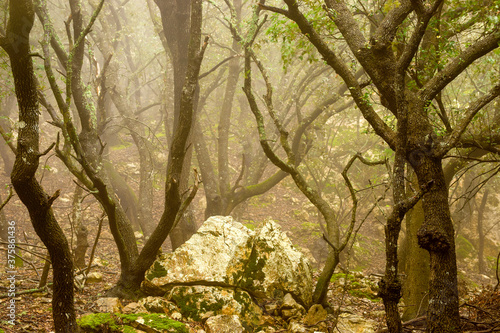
column 31, row 193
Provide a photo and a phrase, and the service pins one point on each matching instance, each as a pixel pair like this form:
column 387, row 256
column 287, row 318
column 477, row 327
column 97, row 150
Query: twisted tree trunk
column 31, row 193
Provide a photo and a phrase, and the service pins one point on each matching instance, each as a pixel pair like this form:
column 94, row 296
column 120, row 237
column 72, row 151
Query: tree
column 387, row 56
column 176, row 20
column 294, row 152
column 16, row 43
column 82, row 153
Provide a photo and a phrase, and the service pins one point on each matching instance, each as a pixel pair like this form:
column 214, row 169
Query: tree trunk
column 23, row 178
column 437, row 237
column 81, row 230
column 416, row 285
column 132, row 278
column 225, row 116
column 176, row 20
column 321, row 290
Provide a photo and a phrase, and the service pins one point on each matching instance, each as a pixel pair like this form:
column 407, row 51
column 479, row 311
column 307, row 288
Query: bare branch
column 6, row 201
column 7, row 140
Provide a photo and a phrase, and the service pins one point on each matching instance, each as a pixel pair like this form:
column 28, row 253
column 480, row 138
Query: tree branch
column 338, row 65
column 459, row 64
column 472, row 110
column 386, row 31
column 412, row 46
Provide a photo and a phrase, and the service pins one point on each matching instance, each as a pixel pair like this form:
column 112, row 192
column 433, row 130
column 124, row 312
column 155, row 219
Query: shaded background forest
column 130, row 91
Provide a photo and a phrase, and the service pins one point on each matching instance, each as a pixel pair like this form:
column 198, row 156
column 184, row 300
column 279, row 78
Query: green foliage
column 337, row 277
column 293, row 43
column 364, row 294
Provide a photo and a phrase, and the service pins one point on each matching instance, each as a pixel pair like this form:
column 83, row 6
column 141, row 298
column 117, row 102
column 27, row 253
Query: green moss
column 155, row 320
column 128, row 329
column 192, row 304
column 364, row 294
column 96, row 321
column 464, row 247
column 250, row 225
column 253, row 270
column 186, row 300
column 337, row 276
column 99, row 322
column 156, row 271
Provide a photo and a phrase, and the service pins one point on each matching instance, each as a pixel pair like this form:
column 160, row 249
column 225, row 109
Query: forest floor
column 283, row 204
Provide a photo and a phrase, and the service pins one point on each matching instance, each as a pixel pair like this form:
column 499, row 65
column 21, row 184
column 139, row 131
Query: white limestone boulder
column 225, row 253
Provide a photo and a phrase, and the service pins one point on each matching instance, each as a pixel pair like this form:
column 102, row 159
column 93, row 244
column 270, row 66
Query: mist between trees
column 380, row 117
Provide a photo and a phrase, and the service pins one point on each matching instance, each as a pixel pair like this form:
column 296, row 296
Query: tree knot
column 389, row 290
column 432, row 239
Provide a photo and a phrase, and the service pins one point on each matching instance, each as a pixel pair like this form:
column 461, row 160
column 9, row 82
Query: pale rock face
column 109, row 305
column 290, row 308
column 158, row 305
column 134, row 308
column 295, row 327
column 226, row 253
column 94, row 277
column 217, row 270
column 350, row 323
column 315, row 315
column 201, row 302
column 224, row 324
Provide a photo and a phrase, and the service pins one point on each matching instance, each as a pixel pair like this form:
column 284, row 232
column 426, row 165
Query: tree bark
column 176, row 20
column 16, row 43
column 416, row 285
column 437, row 237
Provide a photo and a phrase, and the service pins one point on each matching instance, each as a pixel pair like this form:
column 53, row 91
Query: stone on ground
column 224, row 324
column 225, row 265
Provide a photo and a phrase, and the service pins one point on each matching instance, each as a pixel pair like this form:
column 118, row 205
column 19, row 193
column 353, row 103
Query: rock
column 296, row 327
column 226, row 253
column 109, row 305
column 315, row 315
column 158, row 305
column 134, row 308
column 224, row 324
column 271, row 308
column 284, row 268
column 99, row 262
column 200, row 302
column 290, row 308
column 350, row 323
column 94, row 277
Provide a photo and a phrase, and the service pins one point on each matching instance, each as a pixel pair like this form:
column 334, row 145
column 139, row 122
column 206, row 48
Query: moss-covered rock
column 201, row 302
column 225, row 253
column 118, row 322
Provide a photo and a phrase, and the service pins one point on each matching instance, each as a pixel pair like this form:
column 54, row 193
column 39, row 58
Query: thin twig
column 95, row 243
